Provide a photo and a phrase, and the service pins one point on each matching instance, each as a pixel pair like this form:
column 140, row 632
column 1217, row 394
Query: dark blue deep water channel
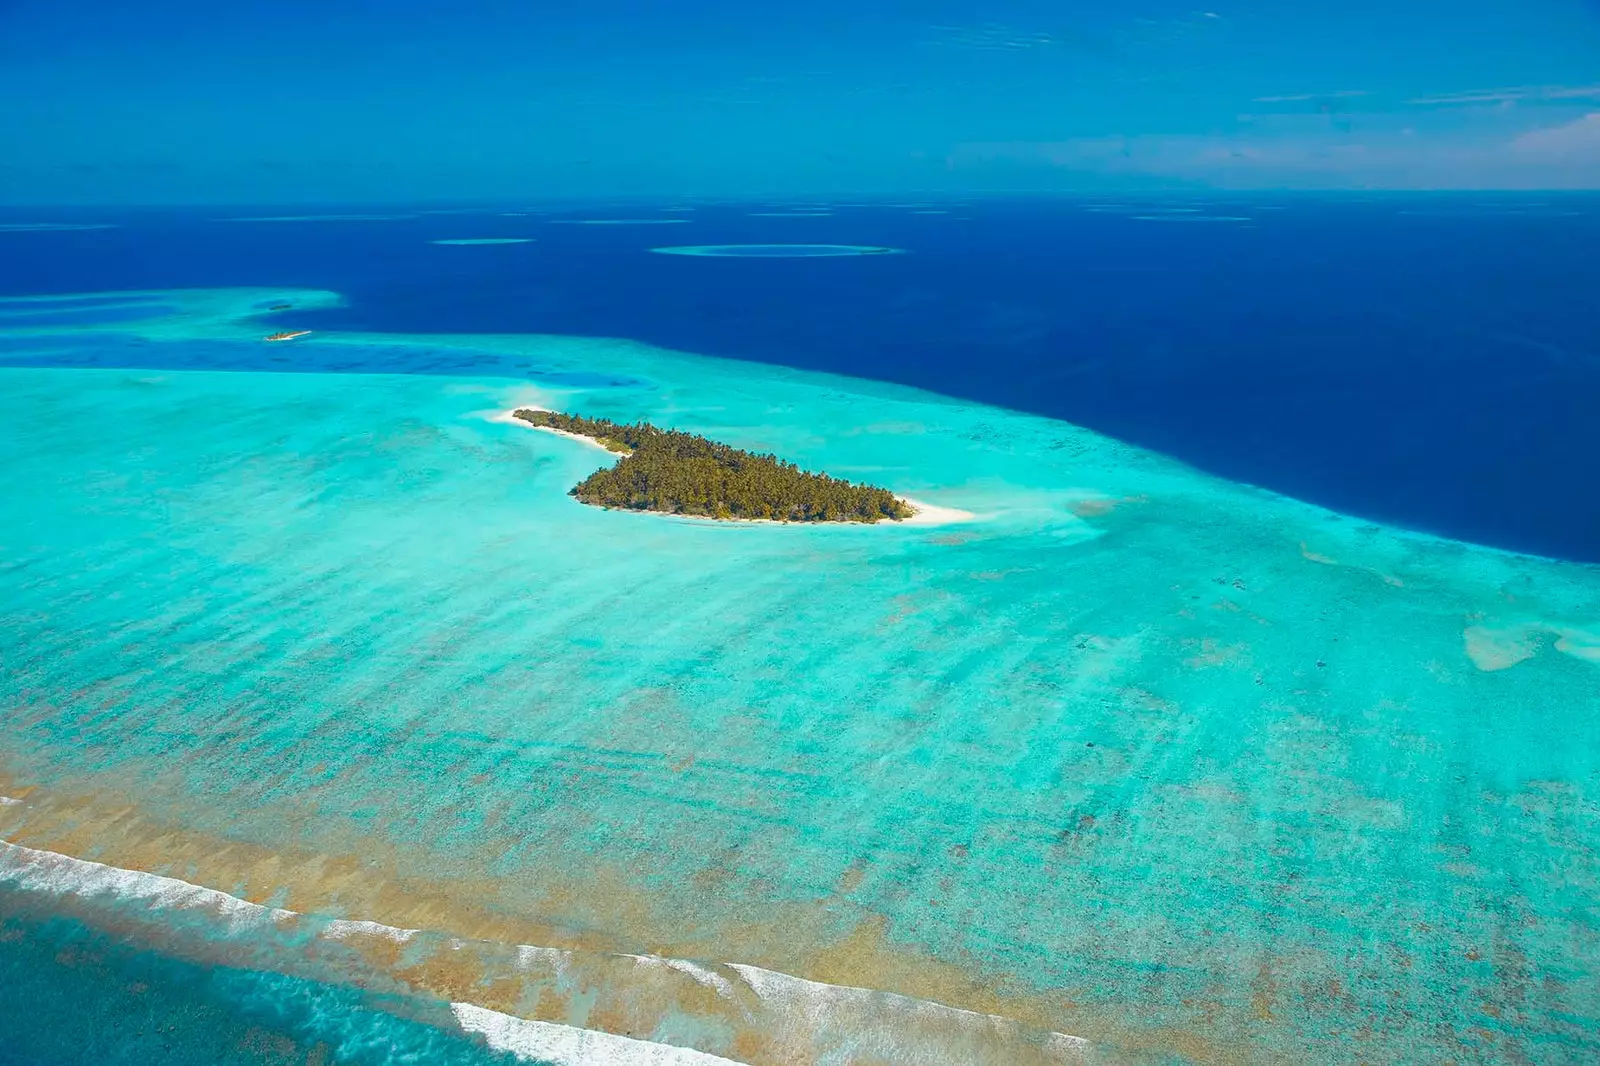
column 1429, row 361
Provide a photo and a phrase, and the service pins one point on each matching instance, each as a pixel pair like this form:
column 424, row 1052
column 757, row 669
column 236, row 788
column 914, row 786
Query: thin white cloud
column 1296, row 98
column 1512, row 95
column 1107, row 42
column 1575, row 144
column 991, row 37
column 1553, row 157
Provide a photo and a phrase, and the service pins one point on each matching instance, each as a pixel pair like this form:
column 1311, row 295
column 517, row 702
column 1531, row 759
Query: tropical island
column 672, row 472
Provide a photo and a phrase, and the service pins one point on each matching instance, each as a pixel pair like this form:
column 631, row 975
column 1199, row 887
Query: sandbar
column 509, row 417
column 53, row 227
column 776, row 251
column 1191, row 218
column 318, row 218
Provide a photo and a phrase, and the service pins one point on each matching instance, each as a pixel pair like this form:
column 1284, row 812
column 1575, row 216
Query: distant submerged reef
column 673, row 472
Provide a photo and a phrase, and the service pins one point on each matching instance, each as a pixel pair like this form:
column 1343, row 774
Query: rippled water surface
column 330, row 716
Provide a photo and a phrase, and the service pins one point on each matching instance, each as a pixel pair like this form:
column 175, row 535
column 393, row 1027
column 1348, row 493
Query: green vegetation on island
column 672, row 472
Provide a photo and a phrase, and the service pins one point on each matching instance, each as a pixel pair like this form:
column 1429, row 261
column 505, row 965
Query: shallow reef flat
column 323, row 679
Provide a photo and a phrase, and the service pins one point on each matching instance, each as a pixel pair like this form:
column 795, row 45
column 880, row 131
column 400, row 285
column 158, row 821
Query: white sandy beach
column 509, row 417
column 931, row 514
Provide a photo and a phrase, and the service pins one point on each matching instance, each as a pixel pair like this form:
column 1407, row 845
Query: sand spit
column 53, row 227
column 923, row 514
column 510, row 418
column 931, row 514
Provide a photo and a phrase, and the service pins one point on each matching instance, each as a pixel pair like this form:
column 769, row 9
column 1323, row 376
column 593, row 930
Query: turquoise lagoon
column 326, row 709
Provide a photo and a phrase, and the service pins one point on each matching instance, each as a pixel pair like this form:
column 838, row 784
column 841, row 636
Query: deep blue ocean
column 1427, row 361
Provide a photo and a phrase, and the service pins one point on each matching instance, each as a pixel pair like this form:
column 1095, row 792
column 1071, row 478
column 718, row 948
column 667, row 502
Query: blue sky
column 248, row 101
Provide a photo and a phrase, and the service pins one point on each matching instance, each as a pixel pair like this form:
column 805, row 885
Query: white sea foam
column 529, row 956
column 803, row 1014
column 343, row 929
column 62, row 875
column 816, row 1003
column 709, row 978
column 566, row 1045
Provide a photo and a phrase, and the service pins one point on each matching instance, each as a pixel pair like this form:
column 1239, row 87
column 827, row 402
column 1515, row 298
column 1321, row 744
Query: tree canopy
column 673, row 472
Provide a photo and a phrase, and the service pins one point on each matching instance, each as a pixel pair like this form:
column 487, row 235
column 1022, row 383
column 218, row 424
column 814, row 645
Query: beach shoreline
column 509, row 417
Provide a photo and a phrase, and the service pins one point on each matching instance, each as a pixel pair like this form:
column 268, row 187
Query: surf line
column 795, row 1019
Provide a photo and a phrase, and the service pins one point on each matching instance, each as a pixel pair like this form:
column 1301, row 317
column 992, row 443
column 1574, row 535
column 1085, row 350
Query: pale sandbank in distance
column 474, row 241
column 1142, row 209
column 317, row 218
column 53, row 227
column 1191, row 218
column 776, row 251
column 922, row 513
